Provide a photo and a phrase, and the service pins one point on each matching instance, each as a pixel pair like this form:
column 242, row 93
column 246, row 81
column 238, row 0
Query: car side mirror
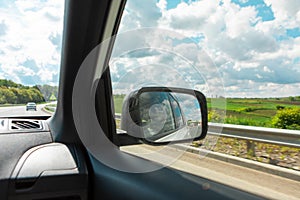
column 160, row 115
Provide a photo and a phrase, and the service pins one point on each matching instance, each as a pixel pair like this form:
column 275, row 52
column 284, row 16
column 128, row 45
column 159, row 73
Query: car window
column 243, row 55
column 30, row 48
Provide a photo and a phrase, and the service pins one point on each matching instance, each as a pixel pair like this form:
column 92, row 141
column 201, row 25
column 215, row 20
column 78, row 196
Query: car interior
column 48, row 159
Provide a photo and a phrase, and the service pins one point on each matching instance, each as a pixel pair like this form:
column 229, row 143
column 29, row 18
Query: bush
column 288, row 118
column 249, row 109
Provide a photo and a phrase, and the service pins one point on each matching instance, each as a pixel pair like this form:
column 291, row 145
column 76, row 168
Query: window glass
column 30, row 48
column 243, row 55
column 177, row 111
column 253, row 48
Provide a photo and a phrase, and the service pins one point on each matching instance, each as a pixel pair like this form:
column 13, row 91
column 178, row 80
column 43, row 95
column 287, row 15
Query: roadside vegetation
column 118, row 102
column 282, row 156
column 269, row 112
column 50, row 107
column 281, row 113
column 12, row 93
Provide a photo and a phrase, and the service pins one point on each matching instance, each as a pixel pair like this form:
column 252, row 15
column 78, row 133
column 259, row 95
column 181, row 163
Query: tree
column 7, row 96
column 14, row 93
column 10, row 84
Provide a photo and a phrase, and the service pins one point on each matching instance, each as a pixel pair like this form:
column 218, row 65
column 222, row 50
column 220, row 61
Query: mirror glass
column 169, row 116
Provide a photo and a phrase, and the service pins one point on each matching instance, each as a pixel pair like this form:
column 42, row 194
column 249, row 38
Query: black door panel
column 161, row 184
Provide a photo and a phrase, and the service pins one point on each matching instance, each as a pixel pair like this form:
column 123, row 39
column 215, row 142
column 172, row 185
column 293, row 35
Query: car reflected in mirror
column 159, row 115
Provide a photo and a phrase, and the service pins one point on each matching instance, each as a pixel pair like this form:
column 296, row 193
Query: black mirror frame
column 200, row 97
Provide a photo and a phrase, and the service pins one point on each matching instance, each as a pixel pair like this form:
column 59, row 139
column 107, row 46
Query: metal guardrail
column 282, row 137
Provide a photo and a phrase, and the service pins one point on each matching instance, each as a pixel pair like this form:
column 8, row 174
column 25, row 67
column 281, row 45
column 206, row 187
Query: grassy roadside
column 282, row 156
column 118, row 102
column 10, row 105
column 50, row 107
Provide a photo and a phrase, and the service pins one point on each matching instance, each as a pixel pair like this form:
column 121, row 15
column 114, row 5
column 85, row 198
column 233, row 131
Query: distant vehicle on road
column 31, row 106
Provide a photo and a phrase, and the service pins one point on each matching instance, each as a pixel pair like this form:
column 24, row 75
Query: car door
column 64, row 157
column 108, row 177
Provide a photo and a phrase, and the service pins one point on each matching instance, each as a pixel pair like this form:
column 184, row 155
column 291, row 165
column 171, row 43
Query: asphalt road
column 20, row 111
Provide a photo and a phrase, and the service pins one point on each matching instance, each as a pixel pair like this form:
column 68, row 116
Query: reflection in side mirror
column 161, row 115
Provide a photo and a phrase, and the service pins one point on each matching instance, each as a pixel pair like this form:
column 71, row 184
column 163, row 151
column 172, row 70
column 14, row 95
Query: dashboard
column 34, row 167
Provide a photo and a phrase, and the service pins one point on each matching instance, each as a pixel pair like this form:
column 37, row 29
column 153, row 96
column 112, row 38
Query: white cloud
column 239, row 20
column 140, row 14
column 46, row 75
column 250, row 89
column 188, row 18
column 29, row 27
column 266, row 69
column 15, row 71
column 285, row 11
column 162, row 5
column 247, row 50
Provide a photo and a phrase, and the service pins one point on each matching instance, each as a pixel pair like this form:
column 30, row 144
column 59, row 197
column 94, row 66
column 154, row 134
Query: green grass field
column 242, row 111
column 253, row 112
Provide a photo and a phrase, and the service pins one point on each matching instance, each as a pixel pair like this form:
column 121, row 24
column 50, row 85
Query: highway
column 20, row 111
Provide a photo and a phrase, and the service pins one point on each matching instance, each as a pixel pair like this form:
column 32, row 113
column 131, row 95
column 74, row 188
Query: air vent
column 26, row 124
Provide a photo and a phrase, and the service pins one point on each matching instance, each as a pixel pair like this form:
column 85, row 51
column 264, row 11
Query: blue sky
column 263, row 10
column 254, row 44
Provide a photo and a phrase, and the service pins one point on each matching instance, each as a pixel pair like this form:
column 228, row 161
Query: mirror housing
column 160, row 115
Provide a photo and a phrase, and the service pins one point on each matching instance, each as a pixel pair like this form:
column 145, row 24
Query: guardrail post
column 250, row 148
